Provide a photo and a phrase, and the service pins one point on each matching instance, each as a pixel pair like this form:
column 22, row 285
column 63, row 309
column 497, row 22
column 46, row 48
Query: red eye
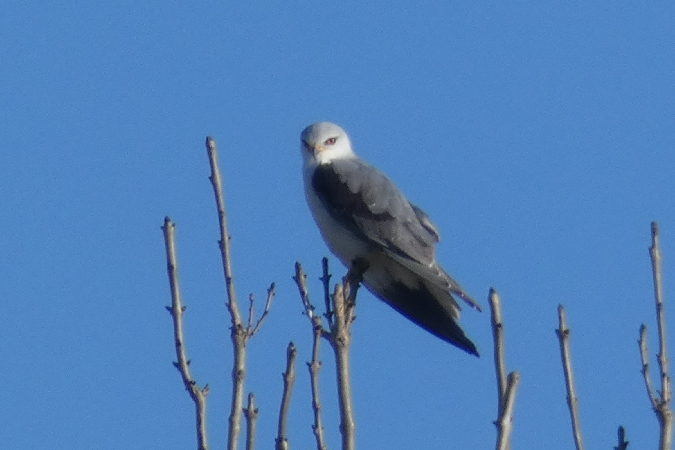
column 330, row 141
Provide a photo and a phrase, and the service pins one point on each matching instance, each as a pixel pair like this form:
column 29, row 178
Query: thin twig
column 318, row 332
column 340, row 340
column 289, row 380
column 238, row 332
column 300, row 279
column 251, row 415
column 663, row 410
column 251, row 312
column 505, row 421
column 623, row 443
column 563, row 333
column 498, row 338
column 271, row 292
column 644, row 357
column 224, row 242
column 325, row 279
column 314, row 368
column 177, row 309
column 506, row 391
column 344, row 302
column 655, row 253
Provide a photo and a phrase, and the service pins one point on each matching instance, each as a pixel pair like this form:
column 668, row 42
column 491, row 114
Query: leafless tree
column 339, row 315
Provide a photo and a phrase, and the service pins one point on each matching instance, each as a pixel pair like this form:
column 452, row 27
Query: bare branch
column 505, row 421
column 318, row 332
column 506, row 386
column 289, row 380
column 563, row 333
column 325, row 279
column 344, row 302
column 251, row 312
column 498, row 337
column 224, row 242
column 238, row 331
column 644, row 356
column 623, row 443
column 340, row 340
column 177, row 309
column 251, row 415
column 655, row 253
column 663, row 411
column 314, row 368
column 271, row 292
column 300, row 279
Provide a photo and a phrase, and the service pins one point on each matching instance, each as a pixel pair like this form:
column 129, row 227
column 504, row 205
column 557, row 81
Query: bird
column 363, row 217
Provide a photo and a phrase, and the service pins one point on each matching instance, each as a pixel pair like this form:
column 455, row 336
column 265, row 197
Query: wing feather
column 370, row 205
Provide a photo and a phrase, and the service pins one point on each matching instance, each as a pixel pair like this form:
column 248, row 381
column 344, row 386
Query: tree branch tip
column 623, row 443
column 655, row 229
column 562, row 320
column 325, row 275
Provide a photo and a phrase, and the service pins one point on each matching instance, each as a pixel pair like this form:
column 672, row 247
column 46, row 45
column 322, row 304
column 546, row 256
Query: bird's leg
column 354, row 278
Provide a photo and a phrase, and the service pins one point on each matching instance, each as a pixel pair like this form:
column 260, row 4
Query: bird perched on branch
column 364, row 217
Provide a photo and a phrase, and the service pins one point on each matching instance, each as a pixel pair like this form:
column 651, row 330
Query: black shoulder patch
column 342, row 200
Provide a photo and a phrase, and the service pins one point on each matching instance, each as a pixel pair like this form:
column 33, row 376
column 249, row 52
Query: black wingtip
column 460, row 340
column 472, row 351
column 434, row 314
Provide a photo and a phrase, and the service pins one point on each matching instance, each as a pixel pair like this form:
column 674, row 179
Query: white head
column 323, row 142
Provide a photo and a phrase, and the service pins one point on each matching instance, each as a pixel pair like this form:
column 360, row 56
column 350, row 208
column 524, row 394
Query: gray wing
column 370, row 205
column 365, row 201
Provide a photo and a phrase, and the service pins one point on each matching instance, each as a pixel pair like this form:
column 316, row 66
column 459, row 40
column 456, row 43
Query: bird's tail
column 431, row 313
column 432, row 309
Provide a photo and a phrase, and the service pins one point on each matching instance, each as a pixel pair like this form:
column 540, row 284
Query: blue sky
column 539, row 137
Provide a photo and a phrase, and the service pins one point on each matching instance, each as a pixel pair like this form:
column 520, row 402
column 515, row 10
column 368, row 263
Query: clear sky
column 539, row 137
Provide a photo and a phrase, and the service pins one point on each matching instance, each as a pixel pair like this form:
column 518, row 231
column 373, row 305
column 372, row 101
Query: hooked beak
column 313, row 149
